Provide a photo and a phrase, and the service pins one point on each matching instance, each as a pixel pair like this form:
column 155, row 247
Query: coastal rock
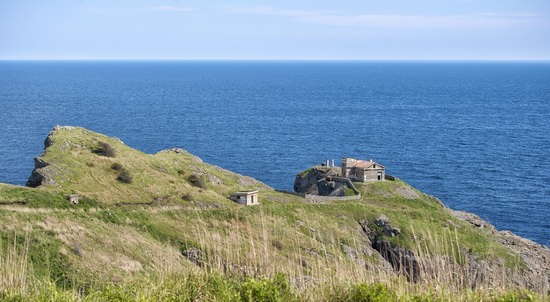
column 402, row 260
column 214, row 179
column 388, row 229
column 474, row 220
column 48, row 141
column 307, row 181
column 535, row 256
column 536, row 272
column 322, row 181
column 42, row 174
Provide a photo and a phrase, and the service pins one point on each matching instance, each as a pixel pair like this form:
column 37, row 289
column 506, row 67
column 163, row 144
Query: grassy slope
column 100, row 241
column 75, row 167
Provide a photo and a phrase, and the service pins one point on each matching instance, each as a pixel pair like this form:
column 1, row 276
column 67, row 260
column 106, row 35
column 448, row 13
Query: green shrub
column 371, row 293
column 125, row 177
column 518, row 296
column 196, row 181
column 105, row 149
column 116, row 166
column 276, row 289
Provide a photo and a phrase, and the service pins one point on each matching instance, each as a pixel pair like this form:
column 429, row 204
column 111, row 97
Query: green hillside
column 161, row 227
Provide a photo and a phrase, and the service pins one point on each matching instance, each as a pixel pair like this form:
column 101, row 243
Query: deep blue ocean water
column 474, row 134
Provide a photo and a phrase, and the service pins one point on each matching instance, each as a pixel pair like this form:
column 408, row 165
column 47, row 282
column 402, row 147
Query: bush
column 116, row 166
column 276, row 289
column 187, row 196
column 196, row 181
column 125, row 177
column 371, row 293
column 517, row 296
column 105, row 150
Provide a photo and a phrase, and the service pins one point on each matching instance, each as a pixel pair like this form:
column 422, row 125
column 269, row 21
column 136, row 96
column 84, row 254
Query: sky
column 275, row 30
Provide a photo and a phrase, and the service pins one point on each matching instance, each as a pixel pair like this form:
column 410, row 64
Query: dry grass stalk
column 14, row 267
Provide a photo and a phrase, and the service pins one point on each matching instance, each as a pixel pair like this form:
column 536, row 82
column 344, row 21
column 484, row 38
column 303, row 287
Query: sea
column 474, row 134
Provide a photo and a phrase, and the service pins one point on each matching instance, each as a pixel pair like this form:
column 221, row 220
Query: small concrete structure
column 247, row 198
column 362, row 170
column 73, row 198
column 327, row 163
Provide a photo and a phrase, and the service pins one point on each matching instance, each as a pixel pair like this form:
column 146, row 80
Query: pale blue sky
column 281, row 30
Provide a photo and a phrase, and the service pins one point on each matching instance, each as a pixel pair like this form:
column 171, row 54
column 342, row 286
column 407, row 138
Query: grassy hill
column 161, row 227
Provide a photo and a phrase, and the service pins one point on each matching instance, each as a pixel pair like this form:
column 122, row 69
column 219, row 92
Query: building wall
column 347, row 163
column 365, row 175
column 372, row 175
column 362, row 175
column 250, row 199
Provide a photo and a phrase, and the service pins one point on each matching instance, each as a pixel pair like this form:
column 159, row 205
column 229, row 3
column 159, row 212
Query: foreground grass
column 218, row 287
column 240, row 266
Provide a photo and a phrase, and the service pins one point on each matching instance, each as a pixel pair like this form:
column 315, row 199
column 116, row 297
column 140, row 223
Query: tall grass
column 444, row 269
column 242, row 263
column 14, row 269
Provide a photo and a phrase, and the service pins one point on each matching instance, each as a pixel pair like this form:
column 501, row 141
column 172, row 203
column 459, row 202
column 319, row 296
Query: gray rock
column 322, row 181
column 474, row 220
column 535, row 273
column 389, row 229
column 195, row 255
column 214, row 179
column 42, row 176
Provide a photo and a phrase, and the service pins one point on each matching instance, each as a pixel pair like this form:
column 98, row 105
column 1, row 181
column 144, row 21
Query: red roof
column 368, row 164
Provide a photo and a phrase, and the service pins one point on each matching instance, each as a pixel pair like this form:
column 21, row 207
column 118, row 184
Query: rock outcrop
column 402, row 260
column 322, row 181
column 536, row 273
column 43, row 172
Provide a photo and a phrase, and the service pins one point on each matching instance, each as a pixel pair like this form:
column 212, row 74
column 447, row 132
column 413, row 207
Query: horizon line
column 278, row 60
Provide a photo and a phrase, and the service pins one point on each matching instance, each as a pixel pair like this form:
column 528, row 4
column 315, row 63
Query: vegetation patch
column 370, row 292
column 197, row 181
column 275, row 289
column 187, row 196
column 305, row 172
column 116, row 166
column 104, row 149
column 124, row 176
column 349, row 192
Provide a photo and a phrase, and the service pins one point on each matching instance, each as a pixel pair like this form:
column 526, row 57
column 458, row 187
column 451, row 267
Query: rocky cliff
column 323, row 181
column 535, row 258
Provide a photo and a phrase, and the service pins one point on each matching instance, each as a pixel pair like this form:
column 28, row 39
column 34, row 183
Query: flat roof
column 244, row 192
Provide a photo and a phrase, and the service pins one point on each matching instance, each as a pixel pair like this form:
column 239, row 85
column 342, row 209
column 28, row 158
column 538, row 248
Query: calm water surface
column 476, row 135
